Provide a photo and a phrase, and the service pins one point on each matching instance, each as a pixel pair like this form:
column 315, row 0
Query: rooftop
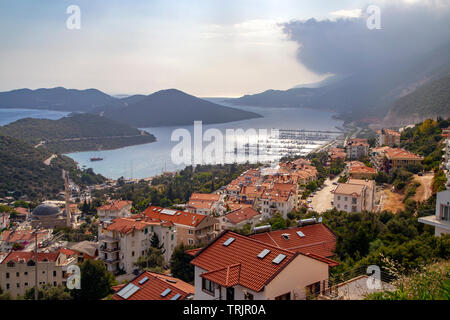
column 349, row 189
column 174, row 216
column 240, row 215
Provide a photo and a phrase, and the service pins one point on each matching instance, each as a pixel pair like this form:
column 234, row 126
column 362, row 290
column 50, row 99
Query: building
column 350, row 197
column 50, row 216
column 315, row 238
column 114, row 209
column 357, row 149
column 441, row 220
column 85, row 250
column 4, row 220
column 191, row 228
column 387, row 137
column 123, row 240
column 18, row 270
column 239, row 217
column 22, row 237
column 387, row 158
column 204, row 203
column 22, row 214
column 279, row 200
column 370, row 191
column 358, row 170
column 154, row 286
column 236, row 267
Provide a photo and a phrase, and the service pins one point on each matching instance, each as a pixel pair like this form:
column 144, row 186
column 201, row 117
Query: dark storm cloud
column 347, row 45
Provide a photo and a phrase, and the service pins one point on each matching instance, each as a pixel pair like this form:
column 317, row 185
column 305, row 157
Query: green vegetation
column 96, row 281
column 152, row 260
column 168, row 190
column 49, row 292
column 180, row 263
column 430, row 283
column 86, row 232
column 77, row 132
column 23, row 172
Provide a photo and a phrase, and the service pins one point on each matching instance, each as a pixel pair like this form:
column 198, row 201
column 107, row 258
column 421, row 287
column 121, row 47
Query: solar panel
column 228, row 242
column 166, row 292
column 128, row 291
column 142, row 281
column 176, row 297
column 169, row 212
column 300, row 234
column 263, row 253
column 279, row 258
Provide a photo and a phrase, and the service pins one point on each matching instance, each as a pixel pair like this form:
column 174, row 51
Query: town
column 307, row 228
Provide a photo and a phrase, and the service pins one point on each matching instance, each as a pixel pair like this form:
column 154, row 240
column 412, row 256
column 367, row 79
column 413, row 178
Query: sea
column 151, row 159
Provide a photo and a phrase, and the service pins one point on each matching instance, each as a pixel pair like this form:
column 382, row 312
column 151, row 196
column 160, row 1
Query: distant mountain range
column 370, row 93
column 163, row 108
column 171, row 107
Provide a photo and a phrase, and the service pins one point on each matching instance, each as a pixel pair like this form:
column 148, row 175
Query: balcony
column 110, row 240
column 109, row 249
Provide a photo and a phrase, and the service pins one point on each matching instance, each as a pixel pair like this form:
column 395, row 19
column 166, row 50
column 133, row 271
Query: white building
column 113, row 210
column 252, row 270
column 124, row 240
column 349, row 197
column 441, row 220
column 273, row 201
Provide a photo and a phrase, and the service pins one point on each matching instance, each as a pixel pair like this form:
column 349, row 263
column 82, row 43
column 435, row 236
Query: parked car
column 420, row 174
column 335, row 183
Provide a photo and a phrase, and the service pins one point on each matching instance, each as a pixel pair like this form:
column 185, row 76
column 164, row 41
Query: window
column 313, row 290
column 54, row 283
column 353, row 200
column 339, row 206
column 11, row 264
column 146, row 230
column 132, row 253
column 7, row 286
column 286, row 296
column 17, row 274
column 171, row 237
column 25, row 273
column 54, row 273
column 208, row 285
column 7, row 275
column 345, row 207
column 445, row 212
column 18, row 285
column 345, row 198
column 339, row 197
column 353, row 208
column 26, row 284
column 43, row 272
column 190, row 241
column 191, row 232
column 249, row 296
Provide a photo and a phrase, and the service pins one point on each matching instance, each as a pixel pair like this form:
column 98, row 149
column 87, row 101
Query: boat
column 96, row 159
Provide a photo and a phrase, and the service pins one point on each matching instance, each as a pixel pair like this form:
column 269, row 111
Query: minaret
column 67, row 194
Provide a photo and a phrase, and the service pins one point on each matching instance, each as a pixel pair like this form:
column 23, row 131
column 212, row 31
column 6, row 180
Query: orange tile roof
column 200, row 204
column 22, row 235
column 127, row 225
column 240, row 215
column 205, row 197
column 318, row 239
column 22, row 256
column 179, row 217
column 254, row 273
column 362, row 169
column 349, row 189
column 115, row 205
column 21, row 210
column 155, row 286
column 400, row 154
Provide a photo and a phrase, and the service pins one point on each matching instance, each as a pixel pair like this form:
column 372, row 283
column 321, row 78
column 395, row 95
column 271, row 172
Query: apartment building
column 22, row 237
column 280, row 200
column 358, row 170
column 114, row 209
column 441, row 219
column 350, row 197
column 4, row 220
column 387, row 137
column 357, row 149
column 123, row 240
column 370, row 191
column 204, row 203
column 18, row 270
column 237, row 267
column 154, row 286
column 192, row 228
column 387, row 158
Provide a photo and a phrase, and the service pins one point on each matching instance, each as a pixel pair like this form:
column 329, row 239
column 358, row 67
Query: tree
column 49, row 292
column 5, row 296
column 153, row 260
column 180, row 264
column 155, row 243
column 96, row 281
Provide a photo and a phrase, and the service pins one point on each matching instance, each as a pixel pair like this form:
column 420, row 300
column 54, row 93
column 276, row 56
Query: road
column 49, row 160
column 321, row 201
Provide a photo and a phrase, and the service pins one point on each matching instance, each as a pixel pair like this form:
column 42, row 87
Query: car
column 420, row 174
column 335, row 183
column 309, row 200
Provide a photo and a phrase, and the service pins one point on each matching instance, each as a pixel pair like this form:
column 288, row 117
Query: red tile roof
column 115, row 205
column 240, row 215
column 178, row 217
column 22, row 256
column 238, row 263
column 155, row 285
column 318, row 239
column 127, row 225
column 205, row 197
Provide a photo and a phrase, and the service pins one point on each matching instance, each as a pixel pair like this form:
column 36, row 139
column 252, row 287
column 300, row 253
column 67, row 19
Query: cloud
column 346, row 45
column 351, row 13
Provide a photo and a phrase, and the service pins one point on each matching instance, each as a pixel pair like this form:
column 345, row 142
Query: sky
column 208, row 48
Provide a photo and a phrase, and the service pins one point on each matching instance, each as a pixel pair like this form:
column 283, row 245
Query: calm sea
column 151, row 159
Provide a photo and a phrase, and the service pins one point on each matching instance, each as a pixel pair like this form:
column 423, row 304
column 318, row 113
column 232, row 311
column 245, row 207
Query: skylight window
column 285, row 236
column 176, row 297
column 128, row 291
column 300, row 234
column 279, row 258
column 143, row 280
column 166, row 292
column 263, row 253
column 228, row 242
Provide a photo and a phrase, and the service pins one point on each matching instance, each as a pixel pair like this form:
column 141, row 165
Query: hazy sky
column 203, row 47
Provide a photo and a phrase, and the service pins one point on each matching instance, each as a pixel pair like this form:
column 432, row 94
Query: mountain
column 59, row 98
column 369, row 93
column 173, row 107
column 428, row 101
column 23, row 171
column 76, row 132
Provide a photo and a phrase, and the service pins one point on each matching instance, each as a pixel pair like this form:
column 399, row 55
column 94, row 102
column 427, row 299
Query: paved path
column 321, row 201
column 49, row 160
